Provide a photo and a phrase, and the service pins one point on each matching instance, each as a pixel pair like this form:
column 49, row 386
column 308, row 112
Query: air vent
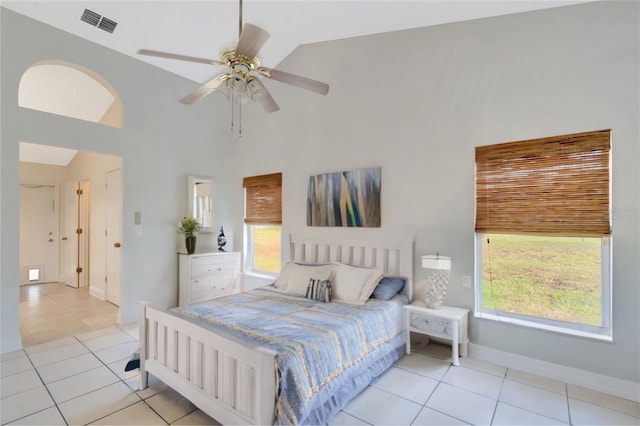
column 107, row 24
column 90, row 17
column 97, row 20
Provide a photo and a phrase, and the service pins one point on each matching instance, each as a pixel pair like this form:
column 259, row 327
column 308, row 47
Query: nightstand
column 446, row 323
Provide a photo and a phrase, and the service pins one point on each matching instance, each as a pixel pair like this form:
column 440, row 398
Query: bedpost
column 144, row 376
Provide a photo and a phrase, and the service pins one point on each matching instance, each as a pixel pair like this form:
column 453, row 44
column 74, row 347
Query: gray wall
column 162, row 141
column 415, row 102
column 418, row 102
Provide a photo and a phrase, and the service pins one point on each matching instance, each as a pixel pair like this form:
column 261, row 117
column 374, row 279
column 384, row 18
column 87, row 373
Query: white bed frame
column 231, row 382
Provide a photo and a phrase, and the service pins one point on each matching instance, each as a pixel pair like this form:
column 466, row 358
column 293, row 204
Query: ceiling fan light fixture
column 240, row 84
column 256, row 89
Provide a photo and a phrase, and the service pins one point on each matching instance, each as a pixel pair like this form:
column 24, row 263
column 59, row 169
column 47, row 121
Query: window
column 543, row 249
column 263, row 220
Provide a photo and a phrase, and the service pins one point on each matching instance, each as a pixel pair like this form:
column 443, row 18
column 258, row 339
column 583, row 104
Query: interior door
column 38, row 234
column 114, row 236
column 69, row 237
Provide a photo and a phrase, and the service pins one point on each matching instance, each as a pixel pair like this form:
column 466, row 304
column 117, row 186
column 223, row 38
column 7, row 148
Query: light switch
column 137, row 218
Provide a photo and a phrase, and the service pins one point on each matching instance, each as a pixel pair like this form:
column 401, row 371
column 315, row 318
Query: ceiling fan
column 240, row 82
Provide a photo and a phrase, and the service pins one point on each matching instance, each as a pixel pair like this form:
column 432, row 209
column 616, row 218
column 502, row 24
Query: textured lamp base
column 437, row 280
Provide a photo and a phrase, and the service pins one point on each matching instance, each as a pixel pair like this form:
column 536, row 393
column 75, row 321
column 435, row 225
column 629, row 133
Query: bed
column 239, row 375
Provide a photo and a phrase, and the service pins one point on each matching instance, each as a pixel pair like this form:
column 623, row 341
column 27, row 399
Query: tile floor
column 53, row 310
column 81, row 380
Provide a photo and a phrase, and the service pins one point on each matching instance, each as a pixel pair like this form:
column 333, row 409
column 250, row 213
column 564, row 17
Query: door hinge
column 78, row 269
column 79, row 191
column 105, row 279
column 79, row 231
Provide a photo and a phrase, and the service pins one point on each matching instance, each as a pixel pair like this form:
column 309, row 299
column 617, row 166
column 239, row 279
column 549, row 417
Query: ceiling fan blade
column 205, row 89
column 251, row 41
column 167, row 55
column 260, row 94
column 296, row 80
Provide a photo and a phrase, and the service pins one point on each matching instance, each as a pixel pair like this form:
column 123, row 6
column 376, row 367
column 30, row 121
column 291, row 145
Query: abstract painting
column 349, row 199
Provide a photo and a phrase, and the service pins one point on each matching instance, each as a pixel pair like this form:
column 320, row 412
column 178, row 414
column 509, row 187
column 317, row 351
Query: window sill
column 260, row 275
column 541, row 326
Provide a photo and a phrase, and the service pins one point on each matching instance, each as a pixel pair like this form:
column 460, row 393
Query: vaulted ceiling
column 207, row 27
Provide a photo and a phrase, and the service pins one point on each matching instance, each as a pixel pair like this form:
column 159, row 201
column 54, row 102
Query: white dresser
column 204, row 276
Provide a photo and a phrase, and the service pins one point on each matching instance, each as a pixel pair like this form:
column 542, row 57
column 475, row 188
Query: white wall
column 418, row 102
column 162, row 141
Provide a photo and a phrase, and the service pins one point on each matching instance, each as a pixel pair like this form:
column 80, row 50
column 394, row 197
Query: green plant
column 189, row 225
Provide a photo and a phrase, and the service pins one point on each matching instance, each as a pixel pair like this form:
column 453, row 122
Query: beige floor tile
column 15, row 365
column 136, row 414
column 51, row 344
column 17, row 383
column 605, row 400
column 57, row 354
column 81, row 383
column 170, row 405
column 196, row 418
column 52, row 310
column 23, row 404
column 68, row 367
column 98, row 404
column 50, row 417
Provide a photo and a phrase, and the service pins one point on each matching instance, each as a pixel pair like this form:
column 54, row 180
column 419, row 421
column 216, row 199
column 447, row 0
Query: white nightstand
column 446, row 323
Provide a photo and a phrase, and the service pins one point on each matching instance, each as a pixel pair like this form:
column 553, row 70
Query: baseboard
column 622, row 388
column 99, row 293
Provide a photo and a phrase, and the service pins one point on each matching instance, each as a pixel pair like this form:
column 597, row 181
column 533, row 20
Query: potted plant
column 188, row 226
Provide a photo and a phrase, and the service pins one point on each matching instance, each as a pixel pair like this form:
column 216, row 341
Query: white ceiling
column 205, row 28
column 44, row 154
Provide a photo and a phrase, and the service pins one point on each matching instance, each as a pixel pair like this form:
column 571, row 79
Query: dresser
column 204, row 276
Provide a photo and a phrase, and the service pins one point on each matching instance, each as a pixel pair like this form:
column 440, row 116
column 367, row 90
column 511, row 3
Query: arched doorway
column 70, row 90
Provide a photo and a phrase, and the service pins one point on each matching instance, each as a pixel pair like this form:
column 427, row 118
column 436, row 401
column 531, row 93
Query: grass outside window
column 557, row 278
column 266, row 248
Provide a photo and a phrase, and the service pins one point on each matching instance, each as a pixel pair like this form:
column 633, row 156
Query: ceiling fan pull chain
column 232, row 108
column 239, row 118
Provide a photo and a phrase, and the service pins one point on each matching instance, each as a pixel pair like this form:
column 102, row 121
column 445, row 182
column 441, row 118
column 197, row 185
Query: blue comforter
column 327, row 352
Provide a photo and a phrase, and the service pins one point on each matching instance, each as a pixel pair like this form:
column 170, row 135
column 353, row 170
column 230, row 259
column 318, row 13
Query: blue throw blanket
column 321, row 347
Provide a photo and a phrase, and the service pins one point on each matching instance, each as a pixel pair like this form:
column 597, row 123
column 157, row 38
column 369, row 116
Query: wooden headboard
column 394, row 258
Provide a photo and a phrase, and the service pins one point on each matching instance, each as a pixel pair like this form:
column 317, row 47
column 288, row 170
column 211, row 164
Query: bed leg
column 144, row 376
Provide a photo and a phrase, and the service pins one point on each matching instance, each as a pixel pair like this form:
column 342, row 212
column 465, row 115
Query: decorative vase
column 222, row 240
column 190, row 243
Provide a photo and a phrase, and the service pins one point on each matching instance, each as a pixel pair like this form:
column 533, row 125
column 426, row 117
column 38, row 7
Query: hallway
column 52, row 310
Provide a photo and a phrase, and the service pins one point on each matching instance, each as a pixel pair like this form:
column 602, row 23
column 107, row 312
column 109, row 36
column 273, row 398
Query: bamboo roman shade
column 550, row 186
column 263, row 199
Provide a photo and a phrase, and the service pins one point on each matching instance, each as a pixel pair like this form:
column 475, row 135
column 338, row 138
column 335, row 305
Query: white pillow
column 283, row 279
column 297, row 277
column 353, row 284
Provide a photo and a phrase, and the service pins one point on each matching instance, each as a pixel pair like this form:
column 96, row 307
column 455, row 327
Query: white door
column 69, row 236
column 114, row 236
column 38, row 234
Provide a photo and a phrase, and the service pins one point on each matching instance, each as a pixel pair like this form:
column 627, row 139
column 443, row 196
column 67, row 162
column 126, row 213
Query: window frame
column 513, row 196
column 261, row 214
column 602, row 332
column 248, row 252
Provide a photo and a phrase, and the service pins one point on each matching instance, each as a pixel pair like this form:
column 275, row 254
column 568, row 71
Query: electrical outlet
column 466, row 281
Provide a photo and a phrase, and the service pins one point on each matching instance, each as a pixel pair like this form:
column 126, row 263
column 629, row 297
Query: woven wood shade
column 263, row 199
column 550, row 186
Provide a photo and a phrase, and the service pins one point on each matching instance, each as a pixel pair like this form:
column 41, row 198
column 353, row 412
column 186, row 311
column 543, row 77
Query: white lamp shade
column 434, row 261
